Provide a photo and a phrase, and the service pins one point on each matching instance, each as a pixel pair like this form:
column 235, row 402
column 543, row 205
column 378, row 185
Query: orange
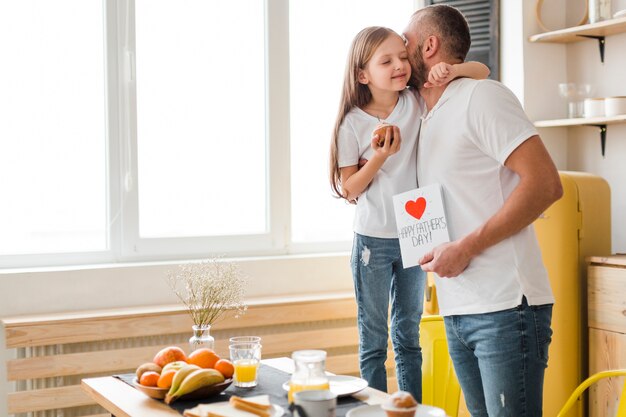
column 203, row 357
column 225, row 367
column 165, row 381
column 169, row 354
column 149, row 379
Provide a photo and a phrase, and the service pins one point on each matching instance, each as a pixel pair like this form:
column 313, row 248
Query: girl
column 375, row 82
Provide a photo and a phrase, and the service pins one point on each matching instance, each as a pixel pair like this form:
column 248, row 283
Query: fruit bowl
column 204, row 392
column 152, row 392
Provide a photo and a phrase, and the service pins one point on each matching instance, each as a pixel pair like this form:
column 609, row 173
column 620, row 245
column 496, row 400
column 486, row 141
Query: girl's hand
column 440, row 74
column 356, row 178
column 389, row 146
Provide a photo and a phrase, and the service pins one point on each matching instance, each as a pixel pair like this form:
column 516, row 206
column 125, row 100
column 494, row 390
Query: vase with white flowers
column 208, row 290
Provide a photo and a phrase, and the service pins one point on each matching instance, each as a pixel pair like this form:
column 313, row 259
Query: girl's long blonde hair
column 354, row 94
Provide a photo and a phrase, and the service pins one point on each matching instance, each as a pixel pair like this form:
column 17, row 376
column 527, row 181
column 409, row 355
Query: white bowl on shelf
column 614, row 106
column 594, row 107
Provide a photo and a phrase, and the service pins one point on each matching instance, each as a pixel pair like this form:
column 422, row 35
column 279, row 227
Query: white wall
column 544, row 66
column 110, row 286
column 584, row 150
column 544, row 69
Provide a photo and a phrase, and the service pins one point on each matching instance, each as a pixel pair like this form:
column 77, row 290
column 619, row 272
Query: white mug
column 314, row 403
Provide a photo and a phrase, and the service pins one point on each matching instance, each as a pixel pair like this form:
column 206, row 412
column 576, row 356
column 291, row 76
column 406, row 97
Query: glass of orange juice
column 246, row 358
column 309, row 372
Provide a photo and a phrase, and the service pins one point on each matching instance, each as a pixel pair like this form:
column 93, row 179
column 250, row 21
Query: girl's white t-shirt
column 465, row 140
column 374, row 212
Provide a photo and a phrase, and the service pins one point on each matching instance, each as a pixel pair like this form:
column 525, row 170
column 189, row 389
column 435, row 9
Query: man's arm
column 538, row 188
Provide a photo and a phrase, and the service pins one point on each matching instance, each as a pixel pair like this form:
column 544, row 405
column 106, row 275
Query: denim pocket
column 542, row 316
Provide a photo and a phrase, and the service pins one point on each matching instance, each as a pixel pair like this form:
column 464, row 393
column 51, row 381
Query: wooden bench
column 54, row 352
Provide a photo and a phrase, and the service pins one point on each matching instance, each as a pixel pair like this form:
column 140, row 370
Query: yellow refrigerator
column 573, row 228
column 576, row 226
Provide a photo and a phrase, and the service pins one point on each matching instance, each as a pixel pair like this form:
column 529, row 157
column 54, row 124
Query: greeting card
column 421, row 221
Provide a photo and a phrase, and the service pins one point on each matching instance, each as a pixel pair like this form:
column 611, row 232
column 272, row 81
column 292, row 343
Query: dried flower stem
column 208, row 289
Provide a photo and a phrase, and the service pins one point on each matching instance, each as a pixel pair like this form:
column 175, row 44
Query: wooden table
column 122, row 400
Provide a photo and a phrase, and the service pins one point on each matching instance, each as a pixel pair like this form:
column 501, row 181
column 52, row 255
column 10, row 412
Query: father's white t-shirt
column 374, row 212
column 464, row 142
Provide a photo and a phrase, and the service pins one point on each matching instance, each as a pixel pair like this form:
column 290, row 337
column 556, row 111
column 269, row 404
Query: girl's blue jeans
column 379, row 278
column 500, row 359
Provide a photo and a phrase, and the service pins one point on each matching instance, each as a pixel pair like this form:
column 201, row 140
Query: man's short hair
column 451, row 26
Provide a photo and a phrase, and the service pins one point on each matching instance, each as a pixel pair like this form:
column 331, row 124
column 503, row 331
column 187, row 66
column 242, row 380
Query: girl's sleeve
column 347, row 147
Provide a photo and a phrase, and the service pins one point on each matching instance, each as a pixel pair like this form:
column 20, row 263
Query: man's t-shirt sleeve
column 498, row 119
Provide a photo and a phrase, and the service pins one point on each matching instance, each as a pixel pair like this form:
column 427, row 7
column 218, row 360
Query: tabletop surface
column 122, row 400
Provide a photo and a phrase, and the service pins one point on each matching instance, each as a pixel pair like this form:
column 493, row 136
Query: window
column 200, row 118
column 52, row 128
column 317, row 64
column 483, row 17
column 159, row 129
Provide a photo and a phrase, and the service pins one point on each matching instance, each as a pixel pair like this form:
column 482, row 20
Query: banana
column 197, row 379
column 180, row 375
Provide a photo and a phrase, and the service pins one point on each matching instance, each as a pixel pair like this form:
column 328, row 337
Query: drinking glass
column 246, row 358
column 575, row 94
column 570, row 93
column 244, row 339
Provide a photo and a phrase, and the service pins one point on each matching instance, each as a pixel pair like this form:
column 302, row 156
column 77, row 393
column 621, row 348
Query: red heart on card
column 416, row 208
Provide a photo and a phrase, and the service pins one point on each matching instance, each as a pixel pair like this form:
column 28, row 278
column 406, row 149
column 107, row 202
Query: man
column 497, row 178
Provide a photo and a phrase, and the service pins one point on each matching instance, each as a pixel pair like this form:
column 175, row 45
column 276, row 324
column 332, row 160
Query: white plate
column 342, row 385
column 376, row 411
column 277, row 410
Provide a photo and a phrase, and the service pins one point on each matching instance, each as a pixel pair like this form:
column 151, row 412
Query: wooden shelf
column 597, row 31
column 582, row 121
column 600, row 123
column 578, row 33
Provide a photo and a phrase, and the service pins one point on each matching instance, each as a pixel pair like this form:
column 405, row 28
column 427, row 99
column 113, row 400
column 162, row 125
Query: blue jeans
column 500, row 359
column 378, row 277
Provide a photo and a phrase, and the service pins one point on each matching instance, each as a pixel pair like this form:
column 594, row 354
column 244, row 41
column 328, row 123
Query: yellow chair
column 621, row 409
column 440, row 387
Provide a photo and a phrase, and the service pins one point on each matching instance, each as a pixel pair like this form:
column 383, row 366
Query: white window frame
column 125, row 229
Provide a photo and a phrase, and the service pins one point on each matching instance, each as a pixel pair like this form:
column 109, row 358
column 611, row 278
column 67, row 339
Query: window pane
column 317, row 65
column 201, row 117
column 52, row 127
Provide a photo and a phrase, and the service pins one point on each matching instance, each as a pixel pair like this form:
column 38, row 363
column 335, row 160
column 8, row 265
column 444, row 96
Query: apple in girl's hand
column 381, row 131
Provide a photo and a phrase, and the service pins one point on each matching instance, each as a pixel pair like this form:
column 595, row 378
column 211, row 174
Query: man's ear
column 362, row 78
column 431, row 46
